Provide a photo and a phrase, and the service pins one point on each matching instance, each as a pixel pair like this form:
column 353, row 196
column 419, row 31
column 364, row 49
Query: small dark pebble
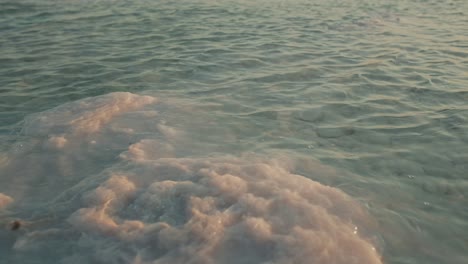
column 15, row 225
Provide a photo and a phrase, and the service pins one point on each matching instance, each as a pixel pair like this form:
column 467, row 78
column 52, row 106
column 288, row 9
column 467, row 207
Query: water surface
column 365, row 101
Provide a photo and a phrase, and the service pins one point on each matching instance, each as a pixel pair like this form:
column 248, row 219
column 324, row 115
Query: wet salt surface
column 315, row 98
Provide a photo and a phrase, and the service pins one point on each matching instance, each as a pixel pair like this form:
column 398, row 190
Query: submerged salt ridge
column 148, row 204
column 5, row 200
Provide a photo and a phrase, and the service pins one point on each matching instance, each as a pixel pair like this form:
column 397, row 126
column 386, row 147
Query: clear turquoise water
column 376, row 89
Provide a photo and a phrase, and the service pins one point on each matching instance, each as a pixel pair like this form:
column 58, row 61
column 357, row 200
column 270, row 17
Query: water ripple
column 372, row 87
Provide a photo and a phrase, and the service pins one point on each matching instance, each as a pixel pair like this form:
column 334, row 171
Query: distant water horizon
column 231, row 132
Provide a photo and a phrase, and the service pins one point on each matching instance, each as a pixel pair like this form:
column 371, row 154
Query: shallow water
column 252, row 131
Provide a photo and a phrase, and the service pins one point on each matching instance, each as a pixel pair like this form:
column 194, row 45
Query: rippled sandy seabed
column 237, row 132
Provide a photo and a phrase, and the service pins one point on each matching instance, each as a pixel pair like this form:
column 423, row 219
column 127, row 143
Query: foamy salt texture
column 220, row 210
column 5, row 200
column 152, row 206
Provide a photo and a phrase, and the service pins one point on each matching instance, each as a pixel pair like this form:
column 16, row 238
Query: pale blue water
column 375, row 89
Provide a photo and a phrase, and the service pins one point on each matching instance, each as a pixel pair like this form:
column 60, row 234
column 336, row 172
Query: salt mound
column 220, row 210
column 147, row 203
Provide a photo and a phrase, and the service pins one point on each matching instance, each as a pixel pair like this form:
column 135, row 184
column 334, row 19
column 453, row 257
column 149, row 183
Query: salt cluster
column 150, row 205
